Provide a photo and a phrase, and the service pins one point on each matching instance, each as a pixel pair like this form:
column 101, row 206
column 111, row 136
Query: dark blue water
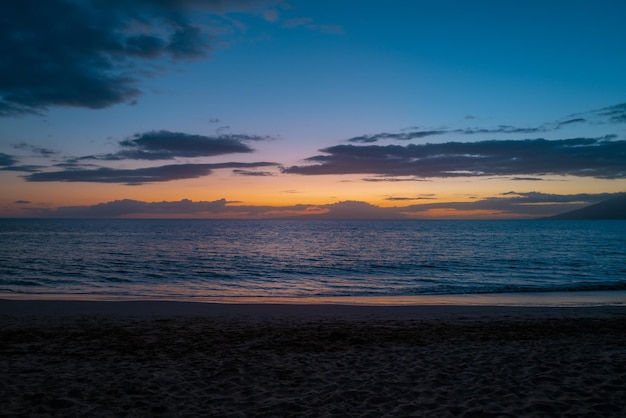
column 183, row 259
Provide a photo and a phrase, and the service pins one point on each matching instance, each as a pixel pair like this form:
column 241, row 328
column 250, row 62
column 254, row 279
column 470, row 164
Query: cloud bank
column 582, row 157
column 509, row 204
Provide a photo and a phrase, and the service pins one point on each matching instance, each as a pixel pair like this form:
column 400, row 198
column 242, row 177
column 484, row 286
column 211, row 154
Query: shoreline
column 487, row 309
column 69, row 304
column 540, row 298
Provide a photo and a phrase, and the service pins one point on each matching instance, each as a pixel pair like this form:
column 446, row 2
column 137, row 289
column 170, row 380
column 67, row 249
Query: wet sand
column 167, row 359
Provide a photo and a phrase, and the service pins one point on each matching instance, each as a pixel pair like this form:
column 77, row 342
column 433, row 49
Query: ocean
column 213, row 259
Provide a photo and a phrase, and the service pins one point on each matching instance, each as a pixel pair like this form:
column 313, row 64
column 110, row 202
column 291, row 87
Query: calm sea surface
column 187, row 259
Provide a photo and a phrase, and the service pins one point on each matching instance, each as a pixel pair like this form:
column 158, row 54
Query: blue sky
column 362, row 91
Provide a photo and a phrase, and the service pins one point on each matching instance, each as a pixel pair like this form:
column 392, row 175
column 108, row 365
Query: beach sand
column 142, row 359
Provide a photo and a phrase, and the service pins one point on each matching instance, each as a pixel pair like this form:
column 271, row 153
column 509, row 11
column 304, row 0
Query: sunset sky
column 338, row 109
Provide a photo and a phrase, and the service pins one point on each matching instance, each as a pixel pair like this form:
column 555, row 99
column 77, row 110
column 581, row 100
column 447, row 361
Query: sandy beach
column 140, row 359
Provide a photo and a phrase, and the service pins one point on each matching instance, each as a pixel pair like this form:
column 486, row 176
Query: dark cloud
column 138, row 175
column 9, row 163
column 583, row 157
column 251, row 173
column 165, row 145
column 526, row 179
column 22, row 202
column 148, row 146
column 7, row 160
column 91, row 53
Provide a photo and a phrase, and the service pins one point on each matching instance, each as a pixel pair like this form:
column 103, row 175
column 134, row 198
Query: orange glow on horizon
column 275, row 195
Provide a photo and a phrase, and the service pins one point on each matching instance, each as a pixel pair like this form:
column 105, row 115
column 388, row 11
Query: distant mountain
column 614, row 208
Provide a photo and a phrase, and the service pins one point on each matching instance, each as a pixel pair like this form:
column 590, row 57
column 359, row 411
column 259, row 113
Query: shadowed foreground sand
column 473, row 363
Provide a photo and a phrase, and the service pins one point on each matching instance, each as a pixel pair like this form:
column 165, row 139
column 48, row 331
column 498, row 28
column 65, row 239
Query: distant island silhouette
column 614, row 208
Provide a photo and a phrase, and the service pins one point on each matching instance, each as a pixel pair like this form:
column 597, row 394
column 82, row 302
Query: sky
column 414, row 109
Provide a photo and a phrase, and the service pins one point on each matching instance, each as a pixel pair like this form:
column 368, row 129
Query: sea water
column 200, row 259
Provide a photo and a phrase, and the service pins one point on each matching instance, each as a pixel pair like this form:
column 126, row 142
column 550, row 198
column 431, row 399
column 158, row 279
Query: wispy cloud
column 40, row 151
column 583, row 157
column 503, row 129
column 402, row 136
column 608, row 115
column 418, row 134
column 572, row 121
column 614, row 114
column 93, row 53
